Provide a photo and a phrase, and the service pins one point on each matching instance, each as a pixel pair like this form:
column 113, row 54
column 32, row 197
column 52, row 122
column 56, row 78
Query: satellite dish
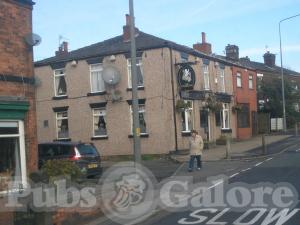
column 33, row 39
column 111, row 75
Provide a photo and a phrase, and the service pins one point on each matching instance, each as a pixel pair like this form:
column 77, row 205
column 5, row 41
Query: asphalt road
column 284, row 167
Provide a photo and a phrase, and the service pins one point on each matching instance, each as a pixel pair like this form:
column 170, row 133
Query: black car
column 85, row 156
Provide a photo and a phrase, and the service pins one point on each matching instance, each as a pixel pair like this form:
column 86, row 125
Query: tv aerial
column 111, row 76
column 33, row 39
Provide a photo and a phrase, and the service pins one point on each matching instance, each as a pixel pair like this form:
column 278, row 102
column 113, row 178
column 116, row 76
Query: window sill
column 144, row 135
column 186, row 133
column 62, row 139
column 99, row 138
column 60, row 97
column 139, row 88
column 96, row 93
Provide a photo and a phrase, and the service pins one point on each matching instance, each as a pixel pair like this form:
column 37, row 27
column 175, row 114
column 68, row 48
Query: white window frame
column 59, row 75
column 225, row 110
column 22, row 149
column 186, row 112
column 139, row 63
column 91, row 80
column 250, row 81
column 239, row 80
column 222, row 80
column 56, row 120
column 142, row 109
column 103, row 109
column 206, row 80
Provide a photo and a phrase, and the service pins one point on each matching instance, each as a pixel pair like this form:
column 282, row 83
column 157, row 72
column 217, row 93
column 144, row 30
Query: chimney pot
column 128, row 22
column 203, row 37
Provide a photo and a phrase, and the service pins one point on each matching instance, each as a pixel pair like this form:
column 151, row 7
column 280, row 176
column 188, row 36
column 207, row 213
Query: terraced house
column 180, row 89
column 18, row 142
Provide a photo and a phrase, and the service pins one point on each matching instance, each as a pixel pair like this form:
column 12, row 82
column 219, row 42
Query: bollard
column 264, row 147
column 296, row 129
column 228, row 146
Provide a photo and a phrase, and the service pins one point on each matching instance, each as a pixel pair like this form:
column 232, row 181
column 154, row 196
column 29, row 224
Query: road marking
column 268, row 159
column 298, row 150
column 233, row 175
column 215, row 185
column 257, row 164
column 246, row 169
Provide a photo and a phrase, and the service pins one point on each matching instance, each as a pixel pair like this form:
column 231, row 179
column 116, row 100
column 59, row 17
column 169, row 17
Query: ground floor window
column 62, row 125
column 225, row 116
column 12, row 159
column 142, row 119
column 187, row 118
column 218, row 118
column 243, row 116
column 99, row 118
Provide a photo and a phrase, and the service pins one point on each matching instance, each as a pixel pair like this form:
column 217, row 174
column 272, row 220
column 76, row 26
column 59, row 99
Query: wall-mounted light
column 74, row 63
column 112, row 58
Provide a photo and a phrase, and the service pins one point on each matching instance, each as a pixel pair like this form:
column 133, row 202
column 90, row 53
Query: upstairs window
column 97, row 83
column 206, row 77
column 62, row 125
column 238, row 80
column 60, row 83
column 250, row 81
column 139, row 69
column 100, row 124
column 222, row 80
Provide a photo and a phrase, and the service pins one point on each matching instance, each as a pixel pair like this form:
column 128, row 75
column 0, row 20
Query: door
column 204, row 122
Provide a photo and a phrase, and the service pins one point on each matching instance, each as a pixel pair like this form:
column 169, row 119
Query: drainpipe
column 173, row 97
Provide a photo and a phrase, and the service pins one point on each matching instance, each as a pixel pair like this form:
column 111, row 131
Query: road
column 283, row 167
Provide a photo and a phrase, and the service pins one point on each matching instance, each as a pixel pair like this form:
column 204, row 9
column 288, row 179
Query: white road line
column 268, row 159
column 246, row 169
column 258, row 163
column 298, row 150
column 233, row 175
column 215, row 185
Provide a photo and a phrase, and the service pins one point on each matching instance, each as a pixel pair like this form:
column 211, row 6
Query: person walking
column 196, row 147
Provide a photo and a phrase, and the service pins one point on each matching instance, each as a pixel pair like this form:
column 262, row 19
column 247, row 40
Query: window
column 238, row 80
column 222, row 80
column 142, row 119
column 187, row 118
column 62, row 125
column 139, row 69
column 218, row 118
column 97, row 83
column 12, row 160
column 206, row 77
column 244, row 116
column 60, row 82
column 99, row 122
column 250, row 81
column 204, row 118
column 225, row 116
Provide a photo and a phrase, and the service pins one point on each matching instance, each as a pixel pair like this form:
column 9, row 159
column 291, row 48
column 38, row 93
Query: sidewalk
column 238, row 149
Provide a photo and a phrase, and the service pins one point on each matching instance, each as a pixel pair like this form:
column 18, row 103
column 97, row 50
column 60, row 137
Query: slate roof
column 26, row 2
column 116, row 45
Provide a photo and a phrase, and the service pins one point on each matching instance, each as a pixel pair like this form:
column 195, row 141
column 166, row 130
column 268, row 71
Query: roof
column 26, row 2
column 117, row 45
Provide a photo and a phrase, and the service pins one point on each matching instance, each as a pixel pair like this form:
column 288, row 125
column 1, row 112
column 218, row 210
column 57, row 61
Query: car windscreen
column 87, row 150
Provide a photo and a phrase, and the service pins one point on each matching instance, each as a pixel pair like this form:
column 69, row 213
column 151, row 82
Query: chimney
column 62, row 49
column 126, row 29
column 204, row 46
column 232, row 52
column 269, row 59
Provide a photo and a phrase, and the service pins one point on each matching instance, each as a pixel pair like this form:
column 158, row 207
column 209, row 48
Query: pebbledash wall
column 18, row 148
column 160, row 73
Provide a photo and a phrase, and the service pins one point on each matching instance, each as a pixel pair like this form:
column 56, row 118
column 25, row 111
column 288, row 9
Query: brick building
column 180, row 89
column 18, row 141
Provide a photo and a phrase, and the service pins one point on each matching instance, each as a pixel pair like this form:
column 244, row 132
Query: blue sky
column 250, row 24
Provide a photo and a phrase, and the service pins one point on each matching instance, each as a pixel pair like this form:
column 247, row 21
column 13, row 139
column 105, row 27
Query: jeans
column 192, row 159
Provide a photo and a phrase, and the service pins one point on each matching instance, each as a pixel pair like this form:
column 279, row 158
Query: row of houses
column 180, row 89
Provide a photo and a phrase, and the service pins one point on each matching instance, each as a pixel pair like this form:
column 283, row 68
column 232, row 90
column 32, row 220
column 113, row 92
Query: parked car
column 85, row 156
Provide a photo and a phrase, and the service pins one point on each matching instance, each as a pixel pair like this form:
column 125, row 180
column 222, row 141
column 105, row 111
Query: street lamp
column 282, row 80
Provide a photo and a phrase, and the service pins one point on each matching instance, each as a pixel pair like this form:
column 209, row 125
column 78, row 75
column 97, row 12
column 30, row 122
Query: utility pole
column 135, row 104
column 282, row 78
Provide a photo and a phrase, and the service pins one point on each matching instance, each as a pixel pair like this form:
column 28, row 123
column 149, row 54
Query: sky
column 250, row 24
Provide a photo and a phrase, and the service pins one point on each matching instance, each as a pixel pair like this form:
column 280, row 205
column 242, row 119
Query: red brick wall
column 245, row 95
column 16, row 58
